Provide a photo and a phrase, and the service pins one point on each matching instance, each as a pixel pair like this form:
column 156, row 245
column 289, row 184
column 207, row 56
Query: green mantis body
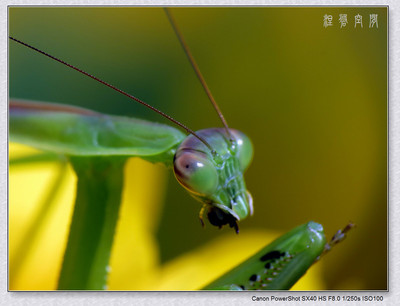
column 215, row 179
column 86, row 133
column 277, row 266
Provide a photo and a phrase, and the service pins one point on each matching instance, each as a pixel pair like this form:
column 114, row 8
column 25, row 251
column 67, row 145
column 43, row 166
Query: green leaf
column 79, row 132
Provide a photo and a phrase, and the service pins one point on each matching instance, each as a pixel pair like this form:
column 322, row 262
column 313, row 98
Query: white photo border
column 207, row 298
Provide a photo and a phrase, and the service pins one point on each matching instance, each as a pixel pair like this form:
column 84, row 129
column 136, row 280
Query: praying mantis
column 285, row 251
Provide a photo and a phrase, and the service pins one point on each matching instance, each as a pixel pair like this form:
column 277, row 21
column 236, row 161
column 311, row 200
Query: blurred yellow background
column 312, row 99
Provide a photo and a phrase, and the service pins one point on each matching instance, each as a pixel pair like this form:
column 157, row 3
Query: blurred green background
column 312, row 99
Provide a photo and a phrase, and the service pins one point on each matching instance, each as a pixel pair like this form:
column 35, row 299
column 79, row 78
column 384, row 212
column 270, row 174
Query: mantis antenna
column 120, row 91
column 196, row 69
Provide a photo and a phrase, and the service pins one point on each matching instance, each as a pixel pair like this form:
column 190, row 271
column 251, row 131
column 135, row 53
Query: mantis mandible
column 208, row 163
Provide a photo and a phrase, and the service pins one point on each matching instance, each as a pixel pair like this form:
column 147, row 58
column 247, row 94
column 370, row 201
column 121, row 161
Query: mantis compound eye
column 244, row 149
column 196, row 172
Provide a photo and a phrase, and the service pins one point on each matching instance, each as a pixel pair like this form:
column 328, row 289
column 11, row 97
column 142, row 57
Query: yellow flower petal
column 135, row 256
column 196, row 269
column 28, row 185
